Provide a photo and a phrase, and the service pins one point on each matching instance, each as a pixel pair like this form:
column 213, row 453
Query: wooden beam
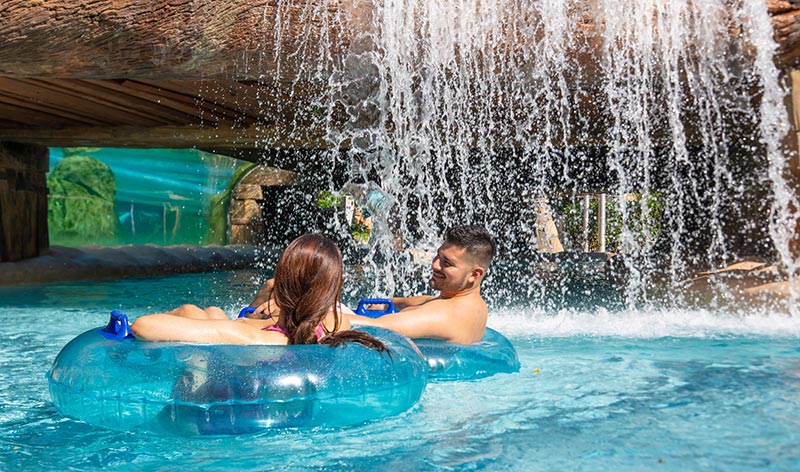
column 18, row 113
column 222, row 39
column 218, row 39
column 217, row 138
column 12, row 99
column 130, row 111
column 62, row 103
column 68, row 99
column 196, row 105
column 168, row 102
column 268, row 101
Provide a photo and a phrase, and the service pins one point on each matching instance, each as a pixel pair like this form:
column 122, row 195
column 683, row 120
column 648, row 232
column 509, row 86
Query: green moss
column 81, row 202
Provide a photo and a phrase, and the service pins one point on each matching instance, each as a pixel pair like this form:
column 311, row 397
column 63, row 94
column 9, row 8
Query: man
column 458, row 314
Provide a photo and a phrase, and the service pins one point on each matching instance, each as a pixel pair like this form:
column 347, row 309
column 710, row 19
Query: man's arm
column 264, row 302
column 264, row 294
column 407, row 302
column 431, row 320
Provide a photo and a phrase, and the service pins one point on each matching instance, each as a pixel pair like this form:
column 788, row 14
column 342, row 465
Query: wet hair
column 308, row 283
column 477, row 241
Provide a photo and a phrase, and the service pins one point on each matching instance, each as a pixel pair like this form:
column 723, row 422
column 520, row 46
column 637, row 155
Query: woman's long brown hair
column 308, row 283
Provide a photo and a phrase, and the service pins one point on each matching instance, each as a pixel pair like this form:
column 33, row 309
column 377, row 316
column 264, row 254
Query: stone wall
column 248, row 200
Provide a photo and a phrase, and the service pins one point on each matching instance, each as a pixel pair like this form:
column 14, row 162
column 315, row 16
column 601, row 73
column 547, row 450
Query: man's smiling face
column 451, row 268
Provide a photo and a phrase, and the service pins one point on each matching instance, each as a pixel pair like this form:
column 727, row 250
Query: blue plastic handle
column 118, row 326
column 246, row 311
column 363, row 311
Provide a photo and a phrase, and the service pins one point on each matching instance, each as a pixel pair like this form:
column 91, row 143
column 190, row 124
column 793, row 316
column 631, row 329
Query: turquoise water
column 163, row 195
column 626, row 390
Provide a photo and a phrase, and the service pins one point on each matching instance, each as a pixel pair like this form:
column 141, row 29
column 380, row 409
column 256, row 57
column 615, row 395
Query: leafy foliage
column 330, row 199
column 641, row 220
column 81, row 201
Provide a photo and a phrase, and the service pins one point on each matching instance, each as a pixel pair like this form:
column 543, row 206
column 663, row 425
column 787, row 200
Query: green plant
column 642, row 218
column 330, row 199
column 360, row 231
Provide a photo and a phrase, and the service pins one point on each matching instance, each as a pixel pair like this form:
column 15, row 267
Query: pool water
column 598, row 390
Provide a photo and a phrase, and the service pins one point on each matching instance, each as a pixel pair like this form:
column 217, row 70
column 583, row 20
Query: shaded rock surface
column 745, row 280
column 99, row 262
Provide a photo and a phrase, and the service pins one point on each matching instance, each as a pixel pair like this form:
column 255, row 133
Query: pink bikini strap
column 277, row 329
column 319, row 331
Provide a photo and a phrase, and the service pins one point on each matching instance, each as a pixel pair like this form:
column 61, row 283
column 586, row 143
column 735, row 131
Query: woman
column 302, row 307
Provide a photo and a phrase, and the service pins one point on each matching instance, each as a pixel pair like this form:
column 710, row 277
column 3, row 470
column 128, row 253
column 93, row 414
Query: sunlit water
column 469, row 111
column 598, row 390
column 460, row 122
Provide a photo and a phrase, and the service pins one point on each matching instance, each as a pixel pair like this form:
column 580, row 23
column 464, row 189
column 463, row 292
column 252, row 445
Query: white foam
column 650, row 323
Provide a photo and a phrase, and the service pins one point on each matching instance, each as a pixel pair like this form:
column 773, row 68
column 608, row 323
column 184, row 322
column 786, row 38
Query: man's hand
column 263, row 301
column 265, row 293
column 378, row 306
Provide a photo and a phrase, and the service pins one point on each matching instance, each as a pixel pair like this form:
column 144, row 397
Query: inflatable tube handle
column 363, row 311
column 118, row 327
column 246, row 311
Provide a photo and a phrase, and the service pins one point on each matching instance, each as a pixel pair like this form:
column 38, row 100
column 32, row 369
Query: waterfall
column 473, row 112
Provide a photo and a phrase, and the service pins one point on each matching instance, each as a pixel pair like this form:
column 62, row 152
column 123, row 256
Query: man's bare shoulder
column 437, row 304
column 453, row 306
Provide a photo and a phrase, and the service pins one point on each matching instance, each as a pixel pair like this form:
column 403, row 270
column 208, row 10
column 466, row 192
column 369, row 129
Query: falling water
column 473, row 112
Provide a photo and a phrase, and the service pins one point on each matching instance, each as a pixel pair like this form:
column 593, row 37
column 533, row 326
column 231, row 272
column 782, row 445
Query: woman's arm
column 166, row 327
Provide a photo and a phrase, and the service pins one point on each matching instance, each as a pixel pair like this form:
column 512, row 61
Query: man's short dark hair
column 476, row 239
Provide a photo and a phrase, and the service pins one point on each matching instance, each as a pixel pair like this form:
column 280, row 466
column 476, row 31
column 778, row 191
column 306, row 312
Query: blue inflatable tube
column 493, row 354
column 110, row 380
